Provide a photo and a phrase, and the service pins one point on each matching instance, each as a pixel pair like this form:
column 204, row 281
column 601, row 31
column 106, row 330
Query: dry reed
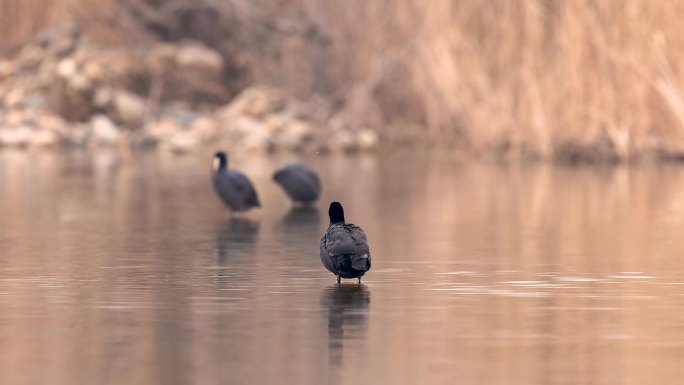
column 543, row 78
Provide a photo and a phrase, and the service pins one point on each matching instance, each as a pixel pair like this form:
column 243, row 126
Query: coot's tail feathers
column 360, row 262
column 253, row 200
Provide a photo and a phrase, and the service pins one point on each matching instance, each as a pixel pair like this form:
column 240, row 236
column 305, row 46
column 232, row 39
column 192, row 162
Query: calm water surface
column 132, row 272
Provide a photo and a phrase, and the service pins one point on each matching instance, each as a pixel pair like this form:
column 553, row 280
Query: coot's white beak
column 216, row 164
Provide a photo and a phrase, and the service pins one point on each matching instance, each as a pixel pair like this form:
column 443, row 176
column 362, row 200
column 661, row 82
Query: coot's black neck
column 220, row 161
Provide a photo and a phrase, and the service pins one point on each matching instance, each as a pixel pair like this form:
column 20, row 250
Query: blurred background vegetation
column 561, row 80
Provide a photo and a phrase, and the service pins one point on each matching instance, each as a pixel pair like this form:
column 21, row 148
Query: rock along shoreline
column 61, row 91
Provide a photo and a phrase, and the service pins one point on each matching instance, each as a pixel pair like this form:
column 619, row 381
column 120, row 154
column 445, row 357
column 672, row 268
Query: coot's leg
column 338, row 279
column 359, row 278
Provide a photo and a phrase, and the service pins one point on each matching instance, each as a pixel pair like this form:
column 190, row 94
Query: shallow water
column 131, row 272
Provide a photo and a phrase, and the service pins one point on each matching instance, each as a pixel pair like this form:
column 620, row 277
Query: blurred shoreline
column 523, row 80
column 64, row 91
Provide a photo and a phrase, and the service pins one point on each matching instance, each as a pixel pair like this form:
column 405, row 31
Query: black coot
column 232, row 186
column 344, row 247
column 299, row 181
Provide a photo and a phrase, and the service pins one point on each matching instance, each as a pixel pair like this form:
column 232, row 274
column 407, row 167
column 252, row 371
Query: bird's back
column 299, row 182
column 235, row 190
column 344, row 239
column 344, row 250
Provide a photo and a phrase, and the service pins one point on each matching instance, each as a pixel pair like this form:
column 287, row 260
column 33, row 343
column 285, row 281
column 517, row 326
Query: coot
column 299, row 181
column 232, row 186
column 344, row 247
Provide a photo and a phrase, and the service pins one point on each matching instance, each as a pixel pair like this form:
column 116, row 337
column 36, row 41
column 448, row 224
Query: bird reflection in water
column 302, row 221
column 236, row 237
column 346, row 307
column 303, row 225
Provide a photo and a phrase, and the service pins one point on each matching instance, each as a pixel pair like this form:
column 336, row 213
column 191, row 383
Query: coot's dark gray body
column 299, row 181
column 232, row 186
column 344, row 247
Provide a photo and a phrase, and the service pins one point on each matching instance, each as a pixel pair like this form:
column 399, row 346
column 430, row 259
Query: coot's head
column 278, row 176
column 336, row 213
column 220, row 161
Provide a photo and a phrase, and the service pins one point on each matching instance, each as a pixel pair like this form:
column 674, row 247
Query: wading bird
column 344, row 247
column 232, row 186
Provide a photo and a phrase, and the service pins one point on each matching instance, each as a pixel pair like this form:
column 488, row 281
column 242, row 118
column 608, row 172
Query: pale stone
column 44, row 138
column 275, row 122
column 297, row 134
column 79, row 82
column 244, row 127
column 367, row 139
column 14, row 97
column 200, row 58
column 104, row 130
column 103, row 97
column 15, row 117
column 7, row 68
column 15, row 136
column 254, row 102
column 183, row 141
column 93, row 70
column 49, row 122
column 204, row 128
column 130, row 108
column 162, row 129
column 67, row 68
column 257, row 141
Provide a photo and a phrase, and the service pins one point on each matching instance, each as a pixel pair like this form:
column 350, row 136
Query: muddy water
column 131, row 272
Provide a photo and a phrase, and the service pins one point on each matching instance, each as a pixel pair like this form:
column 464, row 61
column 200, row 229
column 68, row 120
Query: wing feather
column 345, row 239
column 245, row 187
